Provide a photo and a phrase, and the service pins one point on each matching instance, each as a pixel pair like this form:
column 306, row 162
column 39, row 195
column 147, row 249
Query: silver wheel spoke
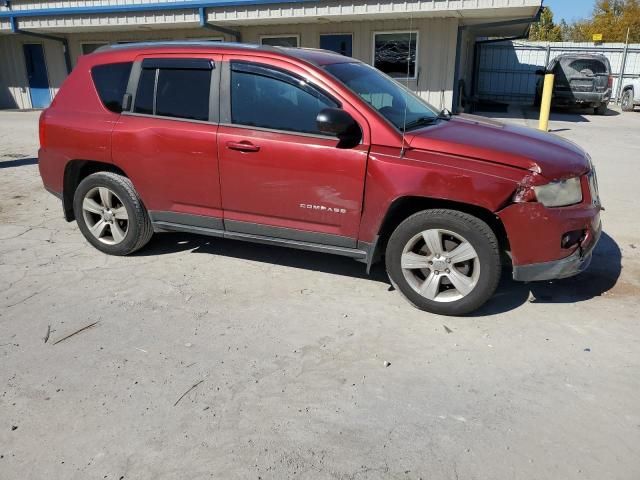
column 105, row 196
column 462, row 253
column 414, row 261
column 98, row 228
column 116, row 232
column 90, row 205
column 429, row 260
column 461, row 282
column 434, row 241
column 431, row 286
column 120, row 213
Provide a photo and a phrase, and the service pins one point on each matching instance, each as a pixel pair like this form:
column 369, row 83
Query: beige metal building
column 432, row 40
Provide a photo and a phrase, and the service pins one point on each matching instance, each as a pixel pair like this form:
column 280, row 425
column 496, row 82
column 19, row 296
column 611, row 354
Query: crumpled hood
column 496, row 142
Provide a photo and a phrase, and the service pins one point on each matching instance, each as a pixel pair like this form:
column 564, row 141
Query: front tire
column 601, row 109
column 627, row 101
column 444, row 261
column 110, row 214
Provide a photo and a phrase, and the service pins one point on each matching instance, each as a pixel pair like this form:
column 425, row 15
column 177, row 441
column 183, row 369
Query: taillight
column 610, row 84
column 42, row 128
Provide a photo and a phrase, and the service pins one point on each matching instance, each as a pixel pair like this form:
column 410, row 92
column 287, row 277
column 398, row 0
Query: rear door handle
column 243, row 146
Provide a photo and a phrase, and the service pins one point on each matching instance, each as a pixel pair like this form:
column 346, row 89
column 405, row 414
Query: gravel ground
column 286, row 351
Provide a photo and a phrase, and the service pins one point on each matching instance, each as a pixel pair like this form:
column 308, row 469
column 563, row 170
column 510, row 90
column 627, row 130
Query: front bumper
column 536, row 235
column 572, row 265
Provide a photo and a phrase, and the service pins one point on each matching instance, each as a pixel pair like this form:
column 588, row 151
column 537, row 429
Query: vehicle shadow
column 18, row 162
column 168, row 243
column 572, row 114
column 601, row 276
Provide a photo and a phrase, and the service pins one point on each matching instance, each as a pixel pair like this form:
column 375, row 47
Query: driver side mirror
column 541, row 72
column 337, row 122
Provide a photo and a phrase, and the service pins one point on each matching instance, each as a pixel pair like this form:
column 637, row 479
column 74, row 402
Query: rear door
column 280, row 176
column 166, row 141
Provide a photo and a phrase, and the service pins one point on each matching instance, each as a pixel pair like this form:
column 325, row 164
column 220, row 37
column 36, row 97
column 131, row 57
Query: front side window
column 174, row 91
column 269, row 98
column 111, row 83
column 396, row 103
column 280, row 41
column 395, row 54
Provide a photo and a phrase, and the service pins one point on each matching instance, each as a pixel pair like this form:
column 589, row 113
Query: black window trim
column 177, row 63
column 225, row 96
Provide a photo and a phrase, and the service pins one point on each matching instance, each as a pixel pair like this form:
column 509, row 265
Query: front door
column 280, row 177
column 340, row 43
column 37, row 75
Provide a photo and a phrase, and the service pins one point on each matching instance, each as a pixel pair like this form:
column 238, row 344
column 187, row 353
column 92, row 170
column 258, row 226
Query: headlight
column 560, row 194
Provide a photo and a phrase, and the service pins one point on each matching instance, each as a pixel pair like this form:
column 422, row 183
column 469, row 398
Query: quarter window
column 111, row 83
column 270, row 98
column 395, row 53
column 175, row 88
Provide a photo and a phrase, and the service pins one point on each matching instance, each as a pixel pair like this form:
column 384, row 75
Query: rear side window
column 270, row 98
column 111, row 83
column 177, row 89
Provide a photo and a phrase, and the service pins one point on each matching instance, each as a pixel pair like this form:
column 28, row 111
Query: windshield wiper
column 421, row 121
column 444, row 114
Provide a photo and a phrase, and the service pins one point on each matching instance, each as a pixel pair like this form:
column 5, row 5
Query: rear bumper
column 570, row 98
column 569, row 266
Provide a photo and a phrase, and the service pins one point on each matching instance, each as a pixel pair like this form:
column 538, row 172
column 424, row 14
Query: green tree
column 611, row 18
column 545, row 30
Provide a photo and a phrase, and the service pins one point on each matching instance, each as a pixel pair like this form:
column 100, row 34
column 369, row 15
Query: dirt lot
column 288, row 352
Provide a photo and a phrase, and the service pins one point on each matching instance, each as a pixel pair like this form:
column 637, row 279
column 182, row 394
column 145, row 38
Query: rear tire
column 601, row 109
column 110, row 214
column 448, row 282
column 627, row 100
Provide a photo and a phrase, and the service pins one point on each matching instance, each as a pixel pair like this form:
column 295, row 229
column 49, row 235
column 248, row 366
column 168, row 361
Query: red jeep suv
column 313, row 150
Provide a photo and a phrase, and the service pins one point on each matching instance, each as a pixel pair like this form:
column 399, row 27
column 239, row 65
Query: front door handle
column 243, row 146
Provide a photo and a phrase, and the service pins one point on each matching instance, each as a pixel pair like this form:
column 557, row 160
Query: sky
column 569, row 9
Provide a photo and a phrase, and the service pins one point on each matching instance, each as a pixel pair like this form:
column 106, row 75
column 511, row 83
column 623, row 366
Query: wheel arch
column 403, row 207
column 77, row 170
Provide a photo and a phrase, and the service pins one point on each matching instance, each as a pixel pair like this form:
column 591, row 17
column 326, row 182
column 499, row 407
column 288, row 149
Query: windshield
column 384, row 94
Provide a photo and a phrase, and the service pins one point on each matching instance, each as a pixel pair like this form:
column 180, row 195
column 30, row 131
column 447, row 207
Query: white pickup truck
column 630, row 94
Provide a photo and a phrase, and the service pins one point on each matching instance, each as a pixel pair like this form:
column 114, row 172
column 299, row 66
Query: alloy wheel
column 105, row 215
column 440, row 265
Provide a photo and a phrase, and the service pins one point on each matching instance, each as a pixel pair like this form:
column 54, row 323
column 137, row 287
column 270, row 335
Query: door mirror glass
column 337, row 122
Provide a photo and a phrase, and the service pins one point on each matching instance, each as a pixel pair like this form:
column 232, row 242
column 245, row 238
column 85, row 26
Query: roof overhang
column 185, row 14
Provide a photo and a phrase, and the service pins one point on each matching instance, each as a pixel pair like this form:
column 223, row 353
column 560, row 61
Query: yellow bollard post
column 545, row 107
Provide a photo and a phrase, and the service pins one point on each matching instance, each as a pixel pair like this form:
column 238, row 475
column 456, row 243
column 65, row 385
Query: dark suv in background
column 580, row 80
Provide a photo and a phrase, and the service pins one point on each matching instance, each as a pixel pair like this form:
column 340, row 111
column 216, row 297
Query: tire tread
column 476, row 224
column 141, row 217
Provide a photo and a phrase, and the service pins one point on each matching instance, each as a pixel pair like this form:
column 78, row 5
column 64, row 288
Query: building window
column 341, row 43
column 395, row 53
column 175, row 88
column 269, row 98
column 280, row 40
column 88, row 48
column 111, row 83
